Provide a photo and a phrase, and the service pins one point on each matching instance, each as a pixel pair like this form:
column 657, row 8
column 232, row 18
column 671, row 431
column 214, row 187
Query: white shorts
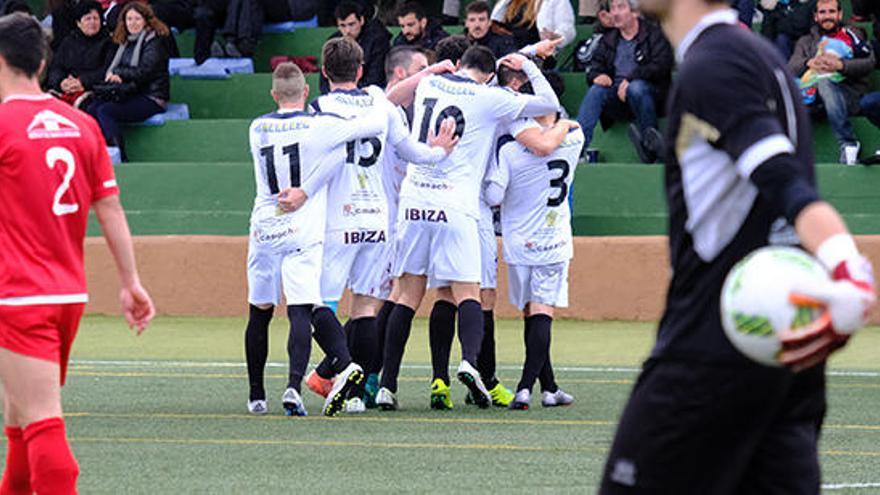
column 354, row 259
column 441, row 244
column 297, row 271
column 544, row 284
column 384, row 264
column 488, row 259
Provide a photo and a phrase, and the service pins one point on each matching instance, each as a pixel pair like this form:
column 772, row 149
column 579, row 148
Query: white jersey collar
column 725, row 16
column 39, row 97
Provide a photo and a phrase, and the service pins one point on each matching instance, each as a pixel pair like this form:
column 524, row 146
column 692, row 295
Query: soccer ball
column 755, row 303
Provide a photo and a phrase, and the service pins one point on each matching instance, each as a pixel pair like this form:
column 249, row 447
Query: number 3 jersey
column 290, row 148
column 356, row 197
column 535, row 214
column 53, row 166
column 478, row 110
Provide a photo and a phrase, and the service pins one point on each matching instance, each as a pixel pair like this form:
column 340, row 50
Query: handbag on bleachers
column 113, row 92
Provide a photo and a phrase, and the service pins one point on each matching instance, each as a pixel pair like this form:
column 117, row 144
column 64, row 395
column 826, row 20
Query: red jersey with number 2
column 53, row 166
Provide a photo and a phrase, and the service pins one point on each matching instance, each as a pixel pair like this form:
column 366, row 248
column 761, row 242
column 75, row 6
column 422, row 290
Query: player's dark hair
column 452, row 48
column 345, row 9
column 411, row 8
column 342, row 56
column 478, row 7
column 22, row 43
column 479, row 57
column 400, row 56
column 557, row 84
column 505, row 75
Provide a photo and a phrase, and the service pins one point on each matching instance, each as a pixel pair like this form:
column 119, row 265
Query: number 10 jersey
column 478, row 109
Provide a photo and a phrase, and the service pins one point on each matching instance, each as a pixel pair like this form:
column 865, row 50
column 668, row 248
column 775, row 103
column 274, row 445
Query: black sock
column 396, row 335
column 299, row 343
column 363, row 342
column 331, row 338
column 325, row 368
column 256, row 348
column 548, row 381
column 441, row 332
column 349, row 334
column 537, row 338
column 486, row 358
column 375, row 365
column 470, row 330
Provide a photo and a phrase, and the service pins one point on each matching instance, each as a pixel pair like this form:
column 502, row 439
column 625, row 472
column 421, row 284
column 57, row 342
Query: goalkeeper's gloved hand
column 846, row 302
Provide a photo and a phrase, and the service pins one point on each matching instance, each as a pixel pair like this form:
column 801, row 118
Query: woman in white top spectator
column 530, row 21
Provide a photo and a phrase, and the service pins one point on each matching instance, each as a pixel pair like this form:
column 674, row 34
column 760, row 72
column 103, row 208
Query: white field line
column 847, row 486
column 230, row 364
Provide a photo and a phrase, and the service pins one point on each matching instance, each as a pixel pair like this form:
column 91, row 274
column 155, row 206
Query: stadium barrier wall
column 611, row 278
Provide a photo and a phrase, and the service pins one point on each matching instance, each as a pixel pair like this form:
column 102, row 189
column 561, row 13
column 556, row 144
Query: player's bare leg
column 32, row 394
column 412, row 290
column 441, row 332
column 470, row 336
column 256, row 346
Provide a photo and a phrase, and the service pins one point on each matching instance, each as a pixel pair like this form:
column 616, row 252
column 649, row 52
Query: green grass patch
column 165, row 413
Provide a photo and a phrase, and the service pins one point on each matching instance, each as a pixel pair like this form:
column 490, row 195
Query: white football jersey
column 393, row 172
column 478, row 109
column 288, row 148
column 535, row 214
column 356, row 198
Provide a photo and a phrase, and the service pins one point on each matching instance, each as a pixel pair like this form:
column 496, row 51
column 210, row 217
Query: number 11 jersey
column 53, row 166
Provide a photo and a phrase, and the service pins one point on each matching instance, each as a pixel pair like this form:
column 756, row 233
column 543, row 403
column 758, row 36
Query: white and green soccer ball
column 755, row 304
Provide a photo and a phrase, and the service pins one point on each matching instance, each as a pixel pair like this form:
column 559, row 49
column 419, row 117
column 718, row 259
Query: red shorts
column 41, row 331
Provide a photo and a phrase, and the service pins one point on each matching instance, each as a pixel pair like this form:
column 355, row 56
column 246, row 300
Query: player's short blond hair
column 288, row 82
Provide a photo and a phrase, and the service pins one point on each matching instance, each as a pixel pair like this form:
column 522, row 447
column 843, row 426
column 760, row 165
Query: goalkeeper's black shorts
column 693, row 428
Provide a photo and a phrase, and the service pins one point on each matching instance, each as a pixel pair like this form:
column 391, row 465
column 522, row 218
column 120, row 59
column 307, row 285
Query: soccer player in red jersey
column 53, row 167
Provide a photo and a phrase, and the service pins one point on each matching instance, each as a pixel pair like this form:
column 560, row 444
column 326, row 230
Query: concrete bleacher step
column 308, row 41
column 221, row 140
column 245, row 96
column 226, row 140
column 215, row 198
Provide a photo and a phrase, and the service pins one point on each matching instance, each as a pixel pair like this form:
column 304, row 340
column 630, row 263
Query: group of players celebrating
column 353, row 193
column 337, row 208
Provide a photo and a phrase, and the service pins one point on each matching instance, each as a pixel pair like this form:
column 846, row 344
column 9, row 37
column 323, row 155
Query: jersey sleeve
column 734, row 111
column 103, row 178
column 504, row 104
column 520, row 125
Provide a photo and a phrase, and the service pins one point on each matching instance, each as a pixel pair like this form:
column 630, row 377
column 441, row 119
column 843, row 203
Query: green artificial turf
column 165, row 413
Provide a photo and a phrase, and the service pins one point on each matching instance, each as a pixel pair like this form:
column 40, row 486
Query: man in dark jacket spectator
column 478, row 28
column 416, row 29
column 839, row 99
column 80, row 61
column 371, row 35
column 785, row 21
column 630, row 75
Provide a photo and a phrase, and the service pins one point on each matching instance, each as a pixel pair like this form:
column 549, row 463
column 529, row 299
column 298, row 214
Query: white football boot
column 470, row 377
column 558, row 398
column 293, row 403
column 258, row 407
column 386, row 400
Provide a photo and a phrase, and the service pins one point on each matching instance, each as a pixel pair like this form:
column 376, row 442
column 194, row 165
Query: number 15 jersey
column 53, row 166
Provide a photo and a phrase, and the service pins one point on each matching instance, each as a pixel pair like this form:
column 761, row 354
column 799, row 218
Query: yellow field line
column 366, row 419
column 329, row 443
column 393, row 418
column 384, row 445
column 224, row 376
